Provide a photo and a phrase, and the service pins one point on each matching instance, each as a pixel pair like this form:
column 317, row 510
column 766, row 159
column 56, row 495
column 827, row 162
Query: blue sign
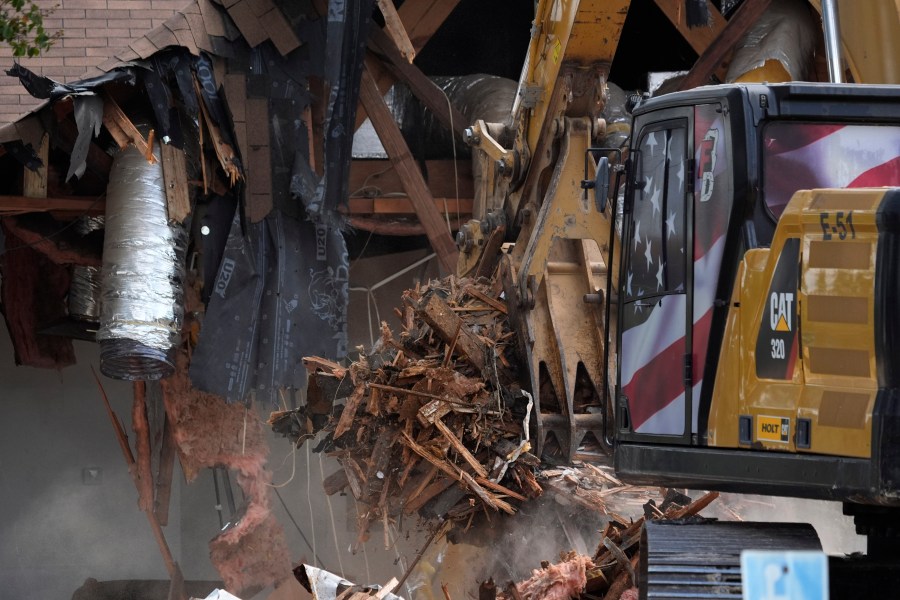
column 787, row 575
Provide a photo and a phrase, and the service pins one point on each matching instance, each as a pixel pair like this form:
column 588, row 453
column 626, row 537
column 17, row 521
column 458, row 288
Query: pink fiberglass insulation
column 629, row 594
column 208, row 432
column 561, row 581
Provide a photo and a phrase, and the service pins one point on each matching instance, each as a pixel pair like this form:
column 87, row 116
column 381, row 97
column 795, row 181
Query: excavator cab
column 758, row 286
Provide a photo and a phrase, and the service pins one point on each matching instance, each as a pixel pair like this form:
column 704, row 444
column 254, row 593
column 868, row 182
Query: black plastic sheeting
column 48, row 89
column 281, row 290
column 346, row 33
column 277, row 297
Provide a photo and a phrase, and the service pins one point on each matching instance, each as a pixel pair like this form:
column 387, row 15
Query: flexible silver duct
column 143, row 273
column 84, row 294
column 87, row 225
column 477, row 96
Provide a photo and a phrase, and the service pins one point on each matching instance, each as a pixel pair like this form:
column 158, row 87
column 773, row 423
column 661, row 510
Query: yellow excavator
column 705, row 283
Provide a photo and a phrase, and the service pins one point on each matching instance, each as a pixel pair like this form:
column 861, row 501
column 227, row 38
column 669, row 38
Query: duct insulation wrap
column 84, row 294
column 477, row 96
column 142, row 281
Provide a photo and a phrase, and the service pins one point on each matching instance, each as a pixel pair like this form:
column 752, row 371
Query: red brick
column 75, row 42
column 144, row 25
column 120, row 13
column 68, row 71
column 103, row 51
column 117, row 43
column 170, row 5
column 86, row 3
column 60, row 50
column 109, row 33
column 74, row 32
column 69, row 13
column 83, row 61
column 86, row 24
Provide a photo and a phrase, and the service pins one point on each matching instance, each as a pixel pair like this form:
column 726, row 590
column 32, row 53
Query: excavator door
column 677, row 209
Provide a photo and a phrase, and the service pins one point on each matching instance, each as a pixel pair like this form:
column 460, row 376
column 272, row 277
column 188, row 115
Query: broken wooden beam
column 175, row 180
column 395, row 29
column 389, row 133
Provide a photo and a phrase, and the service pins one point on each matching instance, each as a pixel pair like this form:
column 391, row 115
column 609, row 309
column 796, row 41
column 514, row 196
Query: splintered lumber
column 122, row 437
column 430, row 422
column 441, row 317
column 141, row 427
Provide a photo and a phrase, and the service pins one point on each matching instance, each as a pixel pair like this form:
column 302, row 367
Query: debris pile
column 252, row 551
column 610, row 573
column 432, row 417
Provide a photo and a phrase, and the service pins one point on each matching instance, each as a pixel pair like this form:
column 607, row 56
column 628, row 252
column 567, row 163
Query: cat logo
column 780, row 311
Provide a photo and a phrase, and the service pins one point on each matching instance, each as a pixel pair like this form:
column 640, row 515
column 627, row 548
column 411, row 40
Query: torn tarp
column 280, row 294
column 46, row 88
column 88, row 118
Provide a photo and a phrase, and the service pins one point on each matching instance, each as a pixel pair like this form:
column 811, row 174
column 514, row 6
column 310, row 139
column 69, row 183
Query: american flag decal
column 656, row 314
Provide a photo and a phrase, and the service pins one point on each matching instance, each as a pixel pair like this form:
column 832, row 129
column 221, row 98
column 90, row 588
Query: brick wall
column 93, row 30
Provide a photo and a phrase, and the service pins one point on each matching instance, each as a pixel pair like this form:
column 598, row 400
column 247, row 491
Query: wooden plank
column 743, row 19
column 141, row 427
column 408, row 170
column 168, row 559
column 345, row 422
column 421, row 19
column 699, row 38
column 174, row 166
column 224, row 151
column 34, row 184
column 438, row 314
column 418, row 499
column 460, row 448
column 63, row 204
column 445, row 177
column 335, row 482
column 403, row 206
column 419, row 84
column 164, row 476
column 395, row 29
column 122, row 129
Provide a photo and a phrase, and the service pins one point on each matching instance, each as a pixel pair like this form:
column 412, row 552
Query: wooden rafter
column 699, row 38
column 717, row 52
column 420, row 20
column 394, row 27
column 419, row 84
column 64, row 205
column 418, row 191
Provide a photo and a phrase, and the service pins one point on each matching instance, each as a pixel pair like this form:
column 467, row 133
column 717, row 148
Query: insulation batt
column 561, row 581
column 208, row 431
